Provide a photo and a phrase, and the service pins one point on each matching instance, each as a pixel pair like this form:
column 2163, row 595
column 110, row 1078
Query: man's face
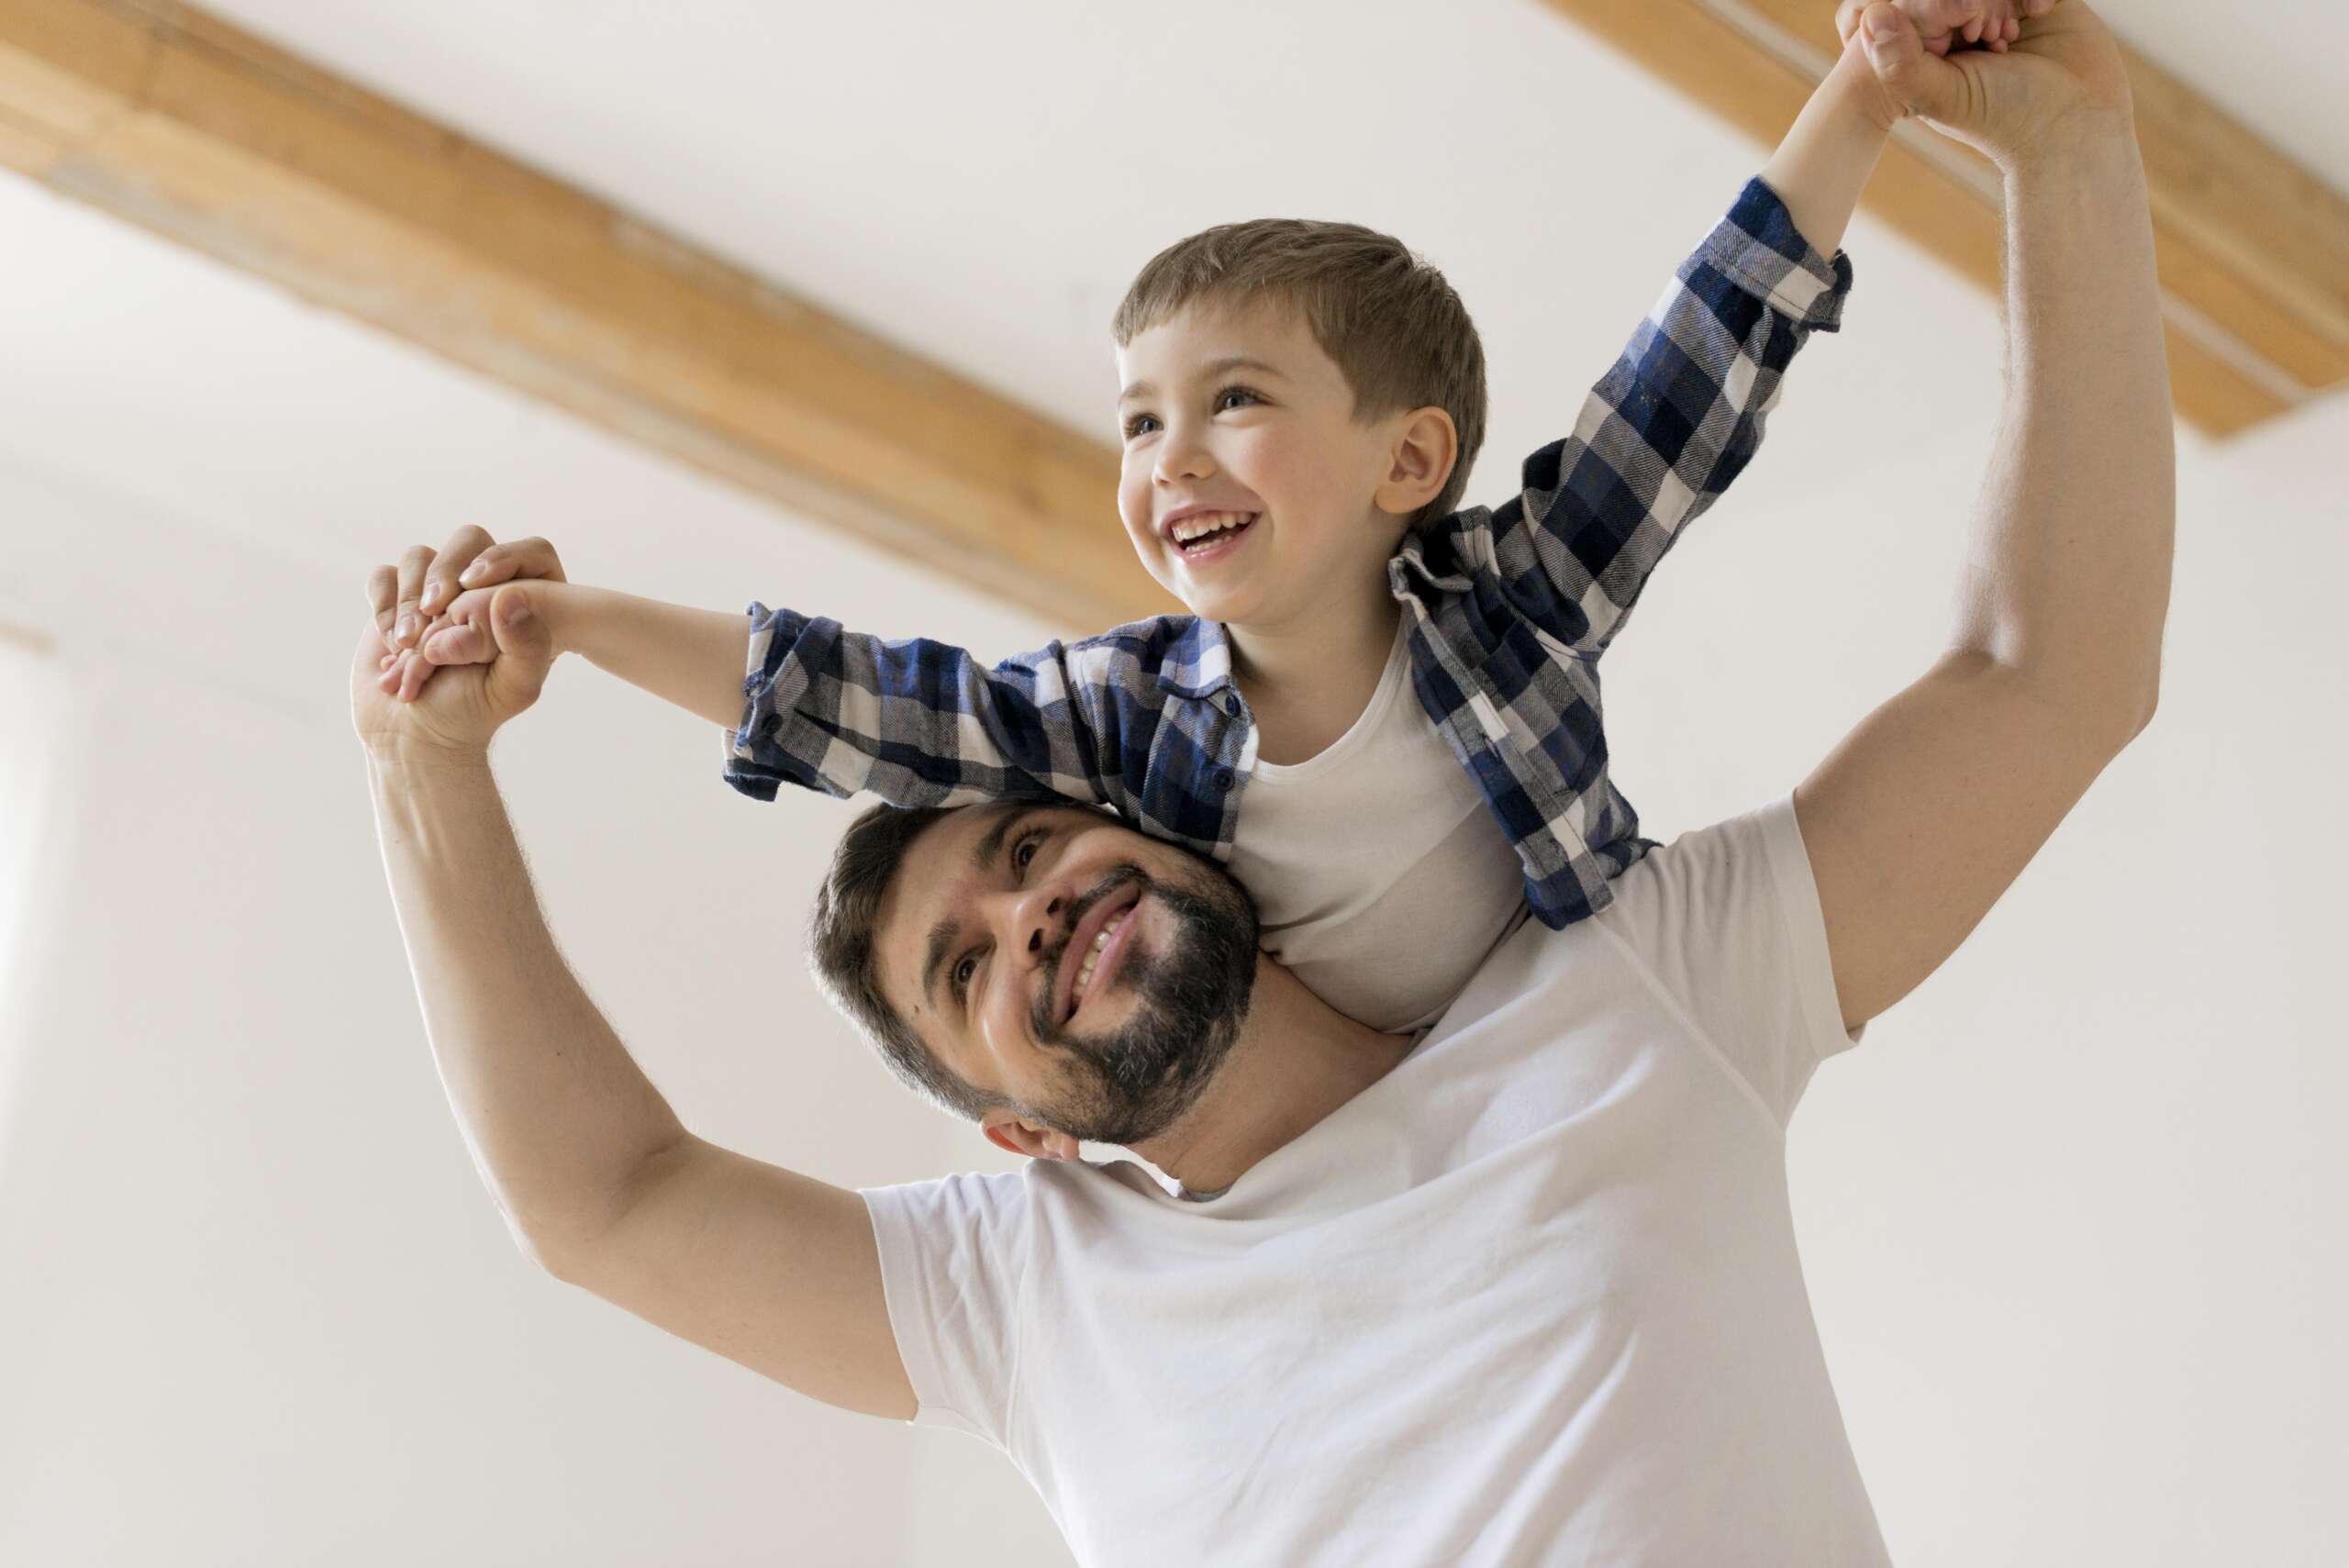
column 1239, row 416
column 1093, row 977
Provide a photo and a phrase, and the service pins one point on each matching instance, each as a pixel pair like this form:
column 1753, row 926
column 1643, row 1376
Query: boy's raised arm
column 1678, row 417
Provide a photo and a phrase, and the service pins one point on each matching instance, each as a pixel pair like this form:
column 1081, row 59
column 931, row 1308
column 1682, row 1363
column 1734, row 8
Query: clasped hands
column 479, row 614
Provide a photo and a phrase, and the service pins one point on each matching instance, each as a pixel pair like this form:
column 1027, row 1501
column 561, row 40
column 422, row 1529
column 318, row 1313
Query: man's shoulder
column 1683, row 867
column 1002, row 1209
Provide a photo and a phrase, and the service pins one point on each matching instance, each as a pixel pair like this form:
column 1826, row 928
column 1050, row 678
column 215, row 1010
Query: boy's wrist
column 1820, row 167
column 1853, row 88
column 566, row 608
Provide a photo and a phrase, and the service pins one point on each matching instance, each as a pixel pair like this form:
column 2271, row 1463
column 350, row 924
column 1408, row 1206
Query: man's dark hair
column 840, row 937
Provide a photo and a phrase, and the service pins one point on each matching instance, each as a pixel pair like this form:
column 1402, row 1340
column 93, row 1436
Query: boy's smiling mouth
column 1199, row 532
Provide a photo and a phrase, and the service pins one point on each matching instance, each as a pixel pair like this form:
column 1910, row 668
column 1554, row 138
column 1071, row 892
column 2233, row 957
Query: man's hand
column 464, row 707
column 2063, row 66
column 427, row 594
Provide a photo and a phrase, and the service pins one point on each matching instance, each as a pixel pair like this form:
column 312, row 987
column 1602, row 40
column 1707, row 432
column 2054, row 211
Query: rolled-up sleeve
column 915, row 722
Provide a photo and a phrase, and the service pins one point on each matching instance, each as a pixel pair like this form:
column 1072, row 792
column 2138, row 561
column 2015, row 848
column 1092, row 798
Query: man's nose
column 1038, row 919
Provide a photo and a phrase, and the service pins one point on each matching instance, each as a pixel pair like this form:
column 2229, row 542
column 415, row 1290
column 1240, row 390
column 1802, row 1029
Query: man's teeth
column 1206, row 523
column 1084, row 975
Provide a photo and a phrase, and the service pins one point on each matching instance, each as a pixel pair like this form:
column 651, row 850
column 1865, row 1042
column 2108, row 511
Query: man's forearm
column 557, row 1113
column 1824, row 162
column 693, row 658
column 2070, row 571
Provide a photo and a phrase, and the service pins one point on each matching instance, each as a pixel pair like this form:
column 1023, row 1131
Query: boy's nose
column 1182, row 456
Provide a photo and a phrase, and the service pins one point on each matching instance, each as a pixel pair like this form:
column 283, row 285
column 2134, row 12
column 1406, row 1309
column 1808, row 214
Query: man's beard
column 1189, row 999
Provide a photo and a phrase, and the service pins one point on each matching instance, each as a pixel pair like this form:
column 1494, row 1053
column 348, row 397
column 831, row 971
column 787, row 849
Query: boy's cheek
column 1142, row 531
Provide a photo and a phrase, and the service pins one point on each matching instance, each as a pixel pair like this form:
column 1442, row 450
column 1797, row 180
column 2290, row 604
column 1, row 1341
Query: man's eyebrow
column 942, row 942
column 943, row 935
column 1207, row 371
column 983, row 852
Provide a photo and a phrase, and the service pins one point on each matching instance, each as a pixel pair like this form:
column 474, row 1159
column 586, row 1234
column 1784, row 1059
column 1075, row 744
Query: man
column 1524, row 1289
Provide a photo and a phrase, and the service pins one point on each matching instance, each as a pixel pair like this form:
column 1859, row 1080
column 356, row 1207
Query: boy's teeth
column 1207, row 523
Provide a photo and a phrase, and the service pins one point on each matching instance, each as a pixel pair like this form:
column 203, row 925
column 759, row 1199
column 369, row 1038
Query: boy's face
column 1239, row 418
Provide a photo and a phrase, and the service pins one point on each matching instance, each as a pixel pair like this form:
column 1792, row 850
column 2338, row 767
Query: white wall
column 2070, row 1218
column 255, row 1306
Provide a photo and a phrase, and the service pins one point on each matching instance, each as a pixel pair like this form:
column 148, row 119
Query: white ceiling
column 980, row 182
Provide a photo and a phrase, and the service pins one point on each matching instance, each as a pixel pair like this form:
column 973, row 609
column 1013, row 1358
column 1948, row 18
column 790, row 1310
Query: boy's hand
column 413, row 602
column 1944, row 25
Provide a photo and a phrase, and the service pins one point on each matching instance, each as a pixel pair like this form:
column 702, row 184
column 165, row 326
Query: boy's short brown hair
column 1391, row 322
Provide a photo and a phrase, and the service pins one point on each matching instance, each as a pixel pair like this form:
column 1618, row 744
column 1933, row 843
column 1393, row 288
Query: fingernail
column 406, row 627
column 1882, row 24
column 469, row 573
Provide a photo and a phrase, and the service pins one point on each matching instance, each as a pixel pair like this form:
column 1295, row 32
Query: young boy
column 1302, row 403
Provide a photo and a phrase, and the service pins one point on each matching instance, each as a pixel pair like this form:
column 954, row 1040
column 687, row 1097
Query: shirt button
column 1224, row 778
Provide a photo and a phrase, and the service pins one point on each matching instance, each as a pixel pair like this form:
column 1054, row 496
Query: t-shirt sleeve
column 1727, row 918
column 953, row 1256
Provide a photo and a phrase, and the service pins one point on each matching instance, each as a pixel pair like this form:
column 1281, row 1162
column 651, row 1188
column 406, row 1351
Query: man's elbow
column 2115, row 710
column 539, row 1243
column 573, row 1241
column 2146, row 709
column 2136, row 707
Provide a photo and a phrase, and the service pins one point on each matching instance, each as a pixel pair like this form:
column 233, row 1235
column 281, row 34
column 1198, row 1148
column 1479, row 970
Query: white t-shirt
column 1532, row 1297
column 1381, row 878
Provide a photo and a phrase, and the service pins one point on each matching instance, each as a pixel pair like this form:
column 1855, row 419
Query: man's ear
column 1008, row 1133
column 1420, row 461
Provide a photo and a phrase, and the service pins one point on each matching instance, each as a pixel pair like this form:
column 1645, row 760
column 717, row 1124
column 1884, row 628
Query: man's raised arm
column 599, row 1179
column 1925, row 814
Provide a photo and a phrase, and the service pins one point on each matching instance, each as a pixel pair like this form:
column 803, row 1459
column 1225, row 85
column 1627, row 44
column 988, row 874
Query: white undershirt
column 1379, row 874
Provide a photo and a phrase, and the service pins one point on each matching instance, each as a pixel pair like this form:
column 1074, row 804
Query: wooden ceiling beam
column 2253, row 250
column 172, row 119
column 176, row 121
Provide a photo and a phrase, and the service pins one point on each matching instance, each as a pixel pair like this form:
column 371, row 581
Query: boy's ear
column 1420, row 461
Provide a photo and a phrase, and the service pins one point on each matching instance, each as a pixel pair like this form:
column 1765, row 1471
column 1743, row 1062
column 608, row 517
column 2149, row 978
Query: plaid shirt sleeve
column 1669, row 427
column 918, row 723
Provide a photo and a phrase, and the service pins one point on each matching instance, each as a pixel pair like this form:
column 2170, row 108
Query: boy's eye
column 1024, row 852
column 1142, row 424
column 960, row 981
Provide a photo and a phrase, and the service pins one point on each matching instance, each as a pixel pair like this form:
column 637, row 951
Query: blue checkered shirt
column 1507, row 613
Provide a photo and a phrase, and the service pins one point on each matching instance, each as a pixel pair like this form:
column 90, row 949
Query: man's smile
column 1093, row 947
